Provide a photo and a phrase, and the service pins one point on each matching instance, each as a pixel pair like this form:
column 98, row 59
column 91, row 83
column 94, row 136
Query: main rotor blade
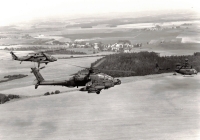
column 77, row 66
column 72, row 74
column 99, row 63
column 73, row 57
column 42, row 67
column 117, row 70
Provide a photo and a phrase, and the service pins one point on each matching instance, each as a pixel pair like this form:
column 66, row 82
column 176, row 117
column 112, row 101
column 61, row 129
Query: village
column 123, row 46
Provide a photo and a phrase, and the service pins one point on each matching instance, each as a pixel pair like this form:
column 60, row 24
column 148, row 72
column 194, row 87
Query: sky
column 15, row 11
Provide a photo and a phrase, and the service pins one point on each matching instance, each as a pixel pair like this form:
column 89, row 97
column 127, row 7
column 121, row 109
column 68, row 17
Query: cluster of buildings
column 159, row 28
column 121, row 46
column 117, row 47
column 156, row 28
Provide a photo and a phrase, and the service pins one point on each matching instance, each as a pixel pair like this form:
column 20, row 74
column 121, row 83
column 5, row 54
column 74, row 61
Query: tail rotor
column 14, row 57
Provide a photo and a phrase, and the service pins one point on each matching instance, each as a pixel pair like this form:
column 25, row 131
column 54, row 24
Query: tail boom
column 41, row 81
column 14, row 56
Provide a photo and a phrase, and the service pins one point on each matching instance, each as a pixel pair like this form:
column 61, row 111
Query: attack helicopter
column 40, row 57
column 184, row 69
column 92, row 82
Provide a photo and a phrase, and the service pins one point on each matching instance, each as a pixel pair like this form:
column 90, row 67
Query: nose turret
column 53, row 58
column 195, row 71
column 117, row 81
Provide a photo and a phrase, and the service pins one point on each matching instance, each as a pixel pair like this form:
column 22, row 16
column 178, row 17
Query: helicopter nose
column 54, row 59
column 117, row 81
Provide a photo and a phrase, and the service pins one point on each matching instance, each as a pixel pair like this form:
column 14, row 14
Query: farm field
column 152, row 107
column 161, row 106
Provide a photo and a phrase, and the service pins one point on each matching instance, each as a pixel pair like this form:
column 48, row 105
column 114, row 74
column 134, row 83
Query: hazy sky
column 13, row 11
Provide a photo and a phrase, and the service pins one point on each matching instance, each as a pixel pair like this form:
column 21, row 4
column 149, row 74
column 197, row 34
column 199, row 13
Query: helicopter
column 92, row 82
column 40, row 57
column 184, row 69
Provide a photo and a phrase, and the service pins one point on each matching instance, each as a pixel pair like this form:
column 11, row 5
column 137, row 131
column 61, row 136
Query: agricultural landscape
column 147, row 105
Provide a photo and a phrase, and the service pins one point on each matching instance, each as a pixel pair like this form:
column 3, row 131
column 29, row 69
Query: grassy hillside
column 143, row 63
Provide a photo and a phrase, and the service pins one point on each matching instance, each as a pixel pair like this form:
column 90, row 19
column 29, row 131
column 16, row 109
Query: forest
column 63, row 51
column 12, row 77
column 144, row 63
column 45, row 49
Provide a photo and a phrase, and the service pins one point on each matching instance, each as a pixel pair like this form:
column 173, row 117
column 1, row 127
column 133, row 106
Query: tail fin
column 158, row 68
column 37, row 75
column 14, row 56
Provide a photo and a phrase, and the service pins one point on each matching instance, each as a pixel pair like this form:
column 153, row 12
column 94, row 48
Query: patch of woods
column 48, row 93
column 12, row 77
column 5, row 98
column 63, row 51
column 45, row 49
column 86, row 26
column 27, row 48
column 144, row 63
column 79, row 56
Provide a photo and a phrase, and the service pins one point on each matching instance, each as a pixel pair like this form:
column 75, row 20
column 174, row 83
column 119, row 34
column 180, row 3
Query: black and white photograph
column 99, row 70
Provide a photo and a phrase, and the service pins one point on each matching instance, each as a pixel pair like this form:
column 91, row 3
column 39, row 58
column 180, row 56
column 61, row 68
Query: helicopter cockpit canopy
column 178, row 64
column 105, row 77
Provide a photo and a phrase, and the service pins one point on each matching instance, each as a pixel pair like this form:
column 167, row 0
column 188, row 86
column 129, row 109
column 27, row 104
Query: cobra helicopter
column 91, row 81
column 184, row 69
column 40, row 57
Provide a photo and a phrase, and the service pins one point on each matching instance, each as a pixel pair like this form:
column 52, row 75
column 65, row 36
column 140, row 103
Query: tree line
column 144, row 63
column 63, row 51
column 45, row 49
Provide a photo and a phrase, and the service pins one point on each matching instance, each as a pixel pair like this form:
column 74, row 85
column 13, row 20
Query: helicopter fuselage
column 36, row 57
column 93, row 82
column 186, row 71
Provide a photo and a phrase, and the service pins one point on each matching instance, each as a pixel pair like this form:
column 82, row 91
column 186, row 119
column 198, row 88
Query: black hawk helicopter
column 184, row 69
column 40, row 57
column 93, row 82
